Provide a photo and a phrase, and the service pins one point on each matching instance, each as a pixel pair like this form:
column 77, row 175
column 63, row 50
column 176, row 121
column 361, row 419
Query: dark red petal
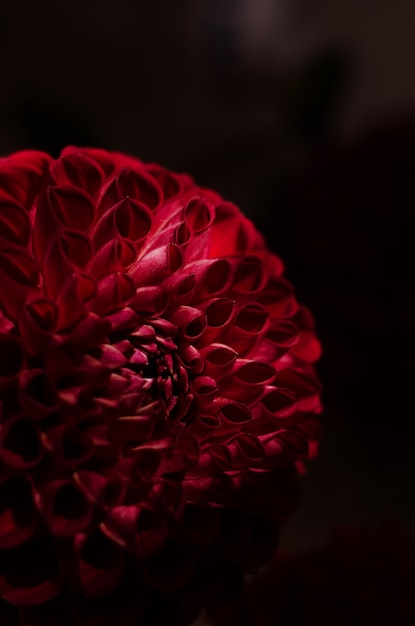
column 141, row 529
column 280, row 402
column 133, row 184
column 38, row 580
column 72, row 207
column 20, row 446
column 215, row 458
column 69, row 445
column 246, row 451
column 37, row 320
column 33, row 160
column 190, row 321
column 157, row 264
column 278, row 297
column 199, row 215
column 179, row 288
column 170, row 184
column 141, row 186
column 151, row 300
column 73, row 295
column 249, row 326
column 203, row 425
column 114, row 292
column 21, row 176
column 64, row 507
column 184, row 456
column 18, row 518
column 212, row 276
column 11, row 358
column 308, row 347
column 250, row 276
column 219, row 359
column 69, row 252
column 101, row 563
column 15, row 224
column 78, row 170
column 19, row 276
column 127, row 218
column 204, row 389
column 105, row 491
column 104, row 159
column 233, row 413
column 38, row 397
column 254, row 373
column 232, row 234
column 114, row 256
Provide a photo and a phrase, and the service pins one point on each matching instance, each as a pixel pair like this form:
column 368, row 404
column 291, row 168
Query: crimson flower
column 157, row 391
column 361, row 576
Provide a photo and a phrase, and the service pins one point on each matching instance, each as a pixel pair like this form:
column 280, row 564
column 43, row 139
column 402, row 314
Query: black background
column 305, row 118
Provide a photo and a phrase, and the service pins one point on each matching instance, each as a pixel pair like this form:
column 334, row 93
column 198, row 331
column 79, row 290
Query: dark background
column 300, row 111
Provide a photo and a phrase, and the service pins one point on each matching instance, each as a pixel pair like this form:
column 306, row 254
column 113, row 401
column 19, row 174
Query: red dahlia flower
column 156, row 385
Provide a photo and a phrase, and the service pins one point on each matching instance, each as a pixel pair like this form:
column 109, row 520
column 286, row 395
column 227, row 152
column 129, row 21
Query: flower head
column 156, row 383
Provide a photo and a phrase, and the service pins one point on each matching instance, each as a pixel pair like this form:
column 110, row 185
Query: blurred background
column 303, row 113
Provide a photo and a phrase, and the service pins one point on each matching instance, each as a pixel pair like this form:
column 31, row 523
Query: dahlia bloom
column 158, row 396
column 361, row 577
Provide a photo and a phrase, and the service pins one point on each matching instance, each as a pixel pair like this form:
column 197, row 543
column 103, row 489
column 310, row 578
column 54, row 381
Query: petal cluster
column 157, row 390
